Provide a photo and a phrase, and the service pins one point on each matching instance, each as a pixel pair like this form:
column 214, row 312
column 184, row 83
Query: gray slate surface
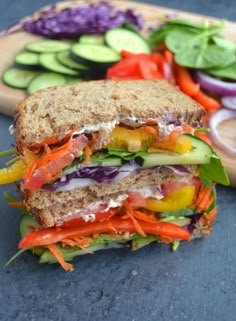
column 198, row 282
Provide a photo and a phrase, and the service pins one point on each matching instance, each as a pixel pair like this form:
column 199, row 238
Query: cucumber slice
column 27, row 224
column 69, row 254
column 45, row 46
column 201, row 153
column 18, row 78
column 49, row 61
column 110, row 161
column 92, row 39
column 45, row 80
column 27, row 60
column 65, row 59
column 94, row 55
column 123, row 39
column 140, row 241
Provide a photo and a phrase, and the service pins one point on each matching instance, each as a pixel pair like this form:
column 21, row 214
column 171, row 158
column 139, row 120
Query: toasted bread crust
column 56, row 110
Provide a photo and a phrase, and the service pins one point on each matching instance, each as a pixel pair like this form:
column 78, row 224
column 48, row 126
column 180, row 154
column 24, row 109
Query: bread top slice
column 56, row 110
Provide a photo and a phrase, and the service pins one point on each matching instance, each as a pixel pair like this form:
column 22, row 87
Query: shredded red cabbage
column 105, row 174
column 72, row 22
column 194, row 220
column 98, row 173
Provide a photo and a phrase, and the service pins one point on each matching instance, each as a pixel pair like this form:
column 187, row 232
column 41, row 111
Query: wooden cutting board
column 12, row 44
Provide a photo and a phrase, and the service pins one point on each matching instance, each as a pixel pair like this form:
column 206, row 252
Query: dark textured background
column 198, row 282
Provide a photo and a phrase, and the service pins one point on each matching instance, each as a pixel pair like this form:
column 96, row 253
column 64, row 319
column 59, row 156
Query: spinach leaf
column 214, row 171
column 177, row 40
column 223, row 43
column 219, row 56
column 158, row 36
column 228, row 72
column 204, row 56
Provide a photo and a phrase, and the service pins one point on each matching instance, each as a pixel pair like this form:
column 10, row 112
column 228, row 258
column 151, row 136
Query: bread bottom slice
column 51, row 207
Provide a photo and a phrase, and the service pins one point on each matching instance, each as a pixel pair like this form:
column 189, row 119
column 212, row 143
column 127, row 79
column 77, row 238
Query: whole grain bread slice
column 56, row 110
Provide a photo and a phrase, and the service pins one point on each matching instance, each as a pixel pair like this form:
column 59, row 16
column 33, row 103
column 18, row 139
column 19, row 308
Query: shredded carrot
column 185, row 81
column 204, row 198
column 60, row 258
column 143, row 217
column 130, row 214
column 208, row 201
column 16, row 204
column 211, row 215
column 88, row 153
column 55, row 140
column 206, row 101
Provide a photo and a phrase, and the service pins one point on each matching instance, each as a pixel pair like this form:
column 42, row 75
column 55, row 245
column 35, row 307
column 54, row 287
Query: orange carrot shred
column 59, row 256
column 16, row 204
column 211, row 215
column 130, row 214
column 88, row 153
column 143, row 217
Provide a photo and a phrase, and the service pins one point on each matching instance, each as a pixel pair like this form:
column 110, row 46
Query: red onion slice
column 215, row 120
column 229, row 102
column 214, row 85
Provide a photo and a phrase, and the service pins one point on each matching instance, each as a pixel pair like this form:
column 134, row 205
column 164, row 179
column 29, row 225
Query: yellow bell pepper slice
column 132, row 140
column 173, row 201
column 16, row 171
column 12, row 173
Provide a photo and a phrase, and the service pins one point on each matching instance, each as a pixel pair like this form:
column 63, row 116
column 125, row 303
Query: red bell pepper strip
column 137, row 66
column 52, row 235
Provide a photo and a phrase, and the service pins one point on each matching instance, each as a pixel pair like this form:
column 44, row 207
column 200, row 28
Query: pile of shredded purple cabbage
column 72, row 22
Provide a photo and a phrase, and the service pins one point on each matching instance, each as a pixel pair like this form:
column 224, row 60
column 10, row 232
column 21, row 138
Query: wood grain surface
column 11, row 44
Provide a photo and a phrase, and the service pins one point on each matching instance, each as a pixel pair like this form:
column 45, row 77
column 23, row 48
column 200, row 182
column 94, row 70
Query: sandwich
column 108, row 163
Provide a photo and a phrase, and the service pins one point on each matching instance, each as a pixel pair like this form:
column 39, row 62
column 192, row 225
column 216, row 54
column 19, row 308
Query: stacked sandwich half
column 108, row 163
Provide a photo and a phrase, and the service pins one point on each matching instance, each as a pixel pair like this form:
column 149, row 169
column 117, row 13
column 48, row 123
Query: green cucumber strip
column 45, row 46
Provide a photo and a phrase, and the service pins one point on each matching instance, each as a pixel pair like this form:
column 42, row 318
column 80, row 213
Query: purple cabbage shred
column 99, row 174
column 75, row 21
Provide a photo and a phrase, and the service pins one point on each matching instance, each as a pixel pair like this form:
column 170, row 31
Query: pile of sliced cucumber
column 46, row 63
